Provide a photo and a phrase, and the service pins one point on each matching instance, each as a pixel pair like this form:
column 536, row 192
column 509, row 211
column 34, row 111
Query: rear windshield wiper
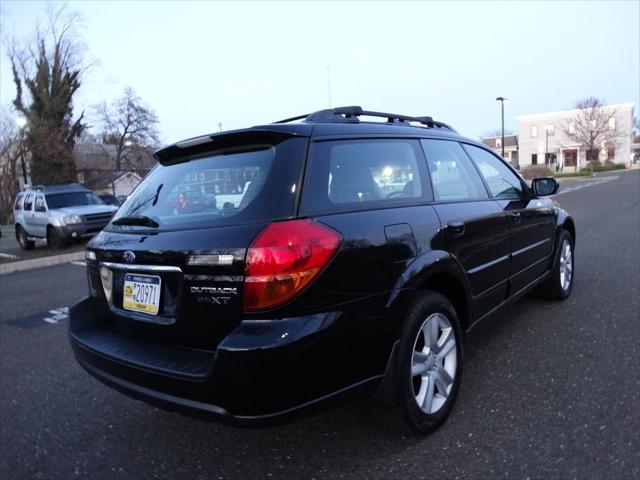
column 137, row 220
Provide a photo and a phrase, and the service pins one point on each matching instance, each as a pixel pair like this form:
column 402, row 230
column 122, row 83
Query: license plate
column 141, row 293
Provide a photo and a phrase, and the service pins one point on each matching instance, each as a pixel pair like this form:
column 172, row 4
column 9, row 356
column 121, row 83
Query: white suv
column 59, row 213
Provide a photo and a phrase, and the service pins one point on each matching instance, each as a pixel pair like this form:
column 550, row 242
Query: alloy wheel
column 566, row 265
column 434, row 362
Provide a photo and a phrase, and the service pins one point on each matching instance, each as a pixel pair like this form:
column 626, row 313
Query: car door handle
column 456, row 228
column 515, row 217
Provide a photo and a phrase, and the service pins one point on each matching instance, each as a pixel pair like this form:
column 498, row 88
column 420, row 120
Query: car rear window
column 354, row 174
column 240, row 185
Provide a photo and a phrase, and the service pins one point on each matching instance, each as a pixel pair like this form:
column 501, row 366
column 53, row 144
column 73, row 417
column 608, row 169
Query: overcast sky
column 245, row 63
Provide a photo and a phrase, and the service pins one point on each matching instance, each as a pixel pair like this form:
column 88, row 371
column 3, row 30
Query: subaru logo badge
column 129, row 256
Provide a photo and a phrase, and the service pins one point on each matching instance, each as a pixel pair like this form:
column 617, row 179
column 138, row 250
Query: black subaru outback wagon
column 320, row 256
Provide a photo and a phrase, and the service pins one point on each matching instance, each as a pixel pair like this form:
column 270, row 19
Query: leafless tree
column 496, row 133
column 47, row 73
column 9, row 162
column 591, row 129
column 130, row 126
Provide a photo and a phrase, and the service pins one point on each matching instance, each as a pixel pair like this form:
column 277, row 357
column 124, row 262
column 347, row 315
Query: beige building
column 542, row 141
column 510, row 147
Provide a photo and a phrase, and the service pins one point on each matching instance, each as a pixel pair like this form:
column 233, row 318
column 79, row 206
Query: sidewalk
column 22, row 265
column 14, row 259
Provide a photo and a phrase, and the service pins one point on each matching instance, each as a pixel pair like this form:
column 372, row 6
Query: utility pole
column 329, row 85
column 546, row 148
column 501, row 100
column 21, row 122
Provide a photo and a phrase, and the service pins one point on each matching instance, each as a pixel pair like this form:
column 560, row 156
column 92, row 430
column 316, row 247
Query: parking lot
column 550, row 390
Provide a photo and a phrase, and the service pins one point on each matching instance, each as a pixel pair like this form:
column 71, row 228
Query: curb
column 23, row 265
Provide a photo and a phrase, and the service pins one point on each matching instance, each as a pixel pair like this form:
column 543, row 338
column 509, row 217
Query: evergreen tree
column 50, row 69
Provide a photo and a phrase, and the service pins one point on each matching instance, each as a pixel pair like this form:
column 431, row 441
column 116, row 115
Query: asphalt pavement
column 550, row 390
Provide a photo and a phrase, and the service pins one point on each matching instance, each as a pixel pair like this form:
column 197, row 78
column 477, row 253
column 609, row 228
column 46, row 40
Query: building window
column 612, row 123
column 592, row 123
column 498, row 142
column 611, row 153
column 550, row 158
column 572, row 128
column 534, row 159
column 592, row 155
column 534, row 131
column 551, row 129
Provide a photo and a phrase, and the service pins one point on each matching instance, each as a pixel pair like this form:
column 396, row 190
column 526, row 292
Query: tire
column 23, row 240
column 53, row 240
column 429, row 362
column 560, row 283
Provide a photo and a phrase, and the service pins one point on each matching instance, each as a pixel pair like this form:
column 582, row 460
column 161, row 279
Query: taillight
column 283, row 259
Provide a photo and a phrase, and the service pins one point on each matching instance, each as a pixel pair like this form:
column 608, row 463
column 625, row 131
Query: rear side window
column 39, row 206
column 453, row 176
column 18, row 203
column 353, row 174
column 28, row 201
column 502, row 182
column 244, row 184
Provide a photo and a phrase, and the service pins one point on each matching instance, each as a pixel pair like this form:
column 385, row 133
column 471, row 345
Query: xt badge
column 214, row 295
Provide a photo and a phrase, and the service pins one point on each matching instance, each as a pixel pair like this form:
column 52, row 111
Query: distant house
column 97, row 168
column 115, row 183
column 510, row 147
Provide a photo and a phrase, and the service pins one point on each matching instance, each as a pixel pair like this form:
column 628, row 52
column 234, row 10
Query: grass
column 572, row 174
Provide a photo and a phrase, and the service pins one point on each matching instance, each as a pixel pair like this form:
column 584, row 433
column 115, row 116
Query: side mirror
column 544, row 186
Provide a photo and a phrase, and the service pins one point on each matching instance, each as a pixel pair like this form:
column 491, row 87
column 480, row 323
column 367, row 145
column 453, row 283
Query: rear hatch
column 171, row 271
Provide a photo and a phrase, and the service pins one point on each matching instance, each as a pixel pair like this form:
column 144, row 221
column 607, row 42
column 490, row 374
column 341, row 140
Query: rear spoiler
column 196, row 147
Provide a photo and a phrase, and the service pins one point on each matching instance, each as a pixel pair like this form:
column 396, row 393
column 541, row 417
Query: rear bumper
column 261, row 373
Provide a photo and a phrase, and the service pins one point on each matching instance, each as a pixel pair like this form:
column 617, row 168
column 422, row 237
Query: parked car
column 358, row 259
column 59, row 213
column 191, row 201
column 110, row 199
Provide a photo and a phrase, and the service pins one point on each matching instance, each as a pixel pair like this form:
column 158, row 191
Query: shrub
column 536, row 171
column 606, row 167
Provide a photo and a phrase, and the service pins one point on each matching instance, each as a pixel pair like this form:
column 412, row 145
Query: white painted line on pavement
column 584, row 185
column 58, row 311
column 57, row 315
column 7, row 255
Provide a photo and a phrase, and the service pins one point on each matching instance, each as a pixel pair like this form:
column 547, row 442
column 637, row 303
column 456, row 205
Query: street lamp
column 546, row 147
column 502, row 100
column 21, row 122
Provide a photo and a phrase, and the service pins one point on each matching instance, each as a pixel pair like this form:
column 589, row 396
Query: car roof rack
column 67, row 187
column 350, row 115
